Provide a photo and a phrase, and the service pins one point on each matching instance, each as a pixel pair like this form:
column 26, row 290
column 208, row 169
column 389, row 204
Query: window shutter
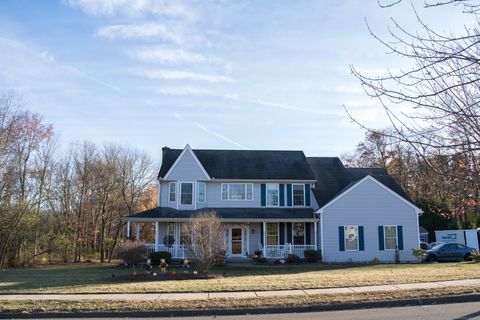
column 341, row 238
column 289, row 232
column 307, row 195
column 282, row 194
column 381, row 244
column 400, row 237
column 307, row 233
column 361, row 241
column 263, row 196
column 261, row 234
column 282, row 232
column 289, row 195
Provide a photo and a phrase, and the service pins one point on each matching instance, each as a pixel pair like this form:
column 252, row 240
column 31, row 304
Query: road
column 458, row 311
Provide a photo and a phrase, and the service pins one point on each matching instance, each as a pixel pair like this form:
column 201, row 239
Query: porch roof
column 227, row 214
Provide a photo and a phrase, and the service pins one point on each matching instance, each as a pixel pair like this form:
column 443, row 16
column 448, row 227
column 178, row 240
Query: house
column 281, row 202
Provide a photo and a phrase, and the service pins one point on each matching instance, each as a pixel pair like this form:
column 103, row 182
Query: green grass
column 97, row 278
column 25, row 306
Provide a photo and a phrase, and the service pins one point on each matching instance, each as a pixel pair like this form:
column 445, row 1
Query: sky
column 213, row 74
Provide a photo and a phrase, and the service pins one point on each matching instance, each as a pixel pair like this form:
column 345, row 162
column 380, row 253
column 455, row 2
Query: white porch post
column 157, row 236
column 264, row 239
column 315, row 233
column 128, row 229
column 137, row 231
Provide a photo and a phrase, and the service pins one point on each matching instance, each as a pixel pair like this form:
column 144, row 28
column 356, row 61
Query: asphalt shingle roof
column 247, row 164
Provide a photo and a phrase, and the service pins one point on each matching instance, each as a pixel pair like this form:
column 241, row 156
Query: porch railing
column 282, row 251
column 177, row 251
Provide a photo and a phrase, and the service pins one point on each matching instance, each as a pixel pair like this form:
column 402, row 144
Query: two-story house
column 281, row 202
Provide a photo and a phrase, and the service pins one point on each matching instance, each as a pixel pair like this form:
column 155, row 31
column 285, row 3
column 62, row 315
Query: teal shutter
column 263, row 196
column 289, row 232
column 400, row 237
column 307, row 233
column 282, row 195
column 381, row 244
column 282, row 232
column 261, row 234
column 307, row 195
column 289, row 195
column 341, row 238
column 361, row 241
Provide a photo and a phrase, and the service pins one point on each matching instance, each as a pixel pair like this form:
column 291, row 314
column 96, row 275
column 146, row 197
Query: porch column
column 157, row 236
column 128, row 229
column 137, row 231
column 264, row 239
column 315, row 233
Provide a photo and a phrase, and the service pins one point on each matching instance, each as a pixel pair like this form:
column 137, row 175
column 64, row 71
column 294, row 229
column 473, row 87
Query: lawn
column 97, row 278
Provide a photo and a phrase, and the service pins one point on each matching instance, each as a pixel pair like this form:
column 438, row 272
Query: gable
column 186, row 167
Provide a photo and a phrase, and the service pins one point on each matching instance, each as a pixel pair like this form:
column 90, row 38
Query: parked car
column 449, row 252
column 433, row 244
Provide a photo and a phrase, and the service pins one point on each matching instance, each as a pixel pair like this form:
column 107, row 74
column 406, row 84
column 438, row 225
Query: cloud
column 185, row 91
column 183, row 75
column 132, row 8
column 167, row 55
column 142, row 31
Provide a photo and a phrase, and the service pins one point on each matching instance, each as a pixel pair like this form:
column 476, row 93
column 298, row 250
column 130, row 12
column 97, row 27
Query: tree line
column 63, row 205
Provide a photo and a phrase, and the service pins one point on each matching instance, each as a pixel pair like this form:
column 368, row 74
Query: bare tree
column 205, row 240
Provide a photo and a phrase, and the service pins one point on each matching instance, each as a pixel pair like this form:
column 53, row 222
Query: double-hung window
column 201, row 192
column 272, row 233
column 298, row 194
column 186, row 193
column 273, row 194
column 390, row 237
column 351, row 238
column 298, row 233
column 172, row 192
column 237, row 191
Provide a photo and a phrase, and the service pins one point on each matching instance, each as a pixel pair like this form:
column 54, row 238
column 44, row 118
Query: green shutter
column 261, row 235
column 282, row 232
column 307, row 195
column 282, row 194
column 400, row 237
column 361, row 241
column 381, row 244
column 263, row 195
column 289, row 232
column 308, row 235
column 289, row 195
column 341, row 238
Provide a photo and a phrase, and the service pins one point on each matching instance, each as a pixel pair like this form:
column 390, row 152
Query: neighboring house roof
column 246, row 164
column 234, row 214
column 333, row 179
column 423, row 230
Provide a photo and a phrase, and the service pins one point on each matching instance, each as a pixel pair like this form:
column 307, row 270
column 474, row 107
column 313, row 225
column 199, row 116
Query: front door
column 236, row 243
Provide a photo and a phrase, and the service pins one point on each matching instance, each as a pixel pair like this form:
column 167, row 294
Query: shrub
column 157, row 256
column 375, row 261
column 293, row 258
column 132, row 252
column 261, row 260
column 258, row 252
column 312, row 255
column 420, row 254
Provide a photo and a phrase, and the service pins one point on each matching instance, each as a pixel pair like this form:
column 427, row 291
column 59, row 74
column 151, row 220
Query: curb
column 269, row 310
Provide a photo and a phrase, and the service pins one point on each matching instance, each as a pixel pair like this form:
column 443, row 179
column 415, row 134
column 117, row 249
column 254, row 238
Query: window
column 272, row 194
column 237, row 191
column 272, row 233
column 298, row 233
column 201, row 192
column 171, row 229
column 390, row 235
column 351, row 238
column 172, row 192
column 298, row 194
column 186, row 193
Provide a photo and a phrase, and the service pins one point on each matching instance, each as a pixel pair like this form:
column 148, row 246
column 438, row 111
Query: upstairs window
column 201, row 192
column 298, row 194
column 273, row 194
column 186, row 193
column 172, row 192
column 237, row 191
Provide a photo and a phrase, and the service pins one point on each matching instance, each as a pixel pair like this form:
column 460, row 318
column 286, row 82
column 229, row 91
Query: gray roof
column 246, row 164
column 333, row 178
column 228, row 213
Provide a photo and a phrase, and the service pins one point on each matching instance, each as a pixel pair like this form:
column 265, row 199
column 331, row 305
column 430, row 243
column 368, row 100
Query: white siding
column 368, row 205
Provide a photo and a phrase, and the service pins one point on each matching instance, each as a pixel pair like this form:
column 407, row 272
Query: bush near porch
column 84, row 278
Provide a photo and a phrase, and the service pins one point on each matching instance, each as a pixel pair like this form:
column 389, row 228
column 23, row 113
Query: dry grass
column 232, row 303
column 98, row 278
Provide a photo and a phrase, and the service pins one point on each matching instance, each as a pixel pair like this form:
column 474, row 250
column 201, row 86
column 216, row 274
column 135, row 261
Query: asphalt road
column 457, row 311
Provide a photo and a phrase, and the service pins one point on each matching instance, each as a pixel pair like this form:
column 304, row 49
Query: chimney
column 164, row 152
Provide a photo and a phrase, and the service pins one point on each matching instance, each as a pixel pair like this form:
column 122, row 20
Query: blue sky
column 214, row 74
